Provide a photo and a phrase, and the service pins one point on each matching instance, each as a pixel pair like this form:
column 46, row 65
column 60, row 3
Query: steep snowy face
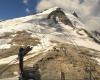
column 51, row 25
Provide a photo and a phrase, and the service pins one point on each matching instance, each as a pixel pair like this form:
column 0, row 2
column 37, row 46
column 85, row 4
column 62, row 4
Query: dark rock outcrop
column 89, row 35
column 58, row 13
column 96, row 34
column 75, row 14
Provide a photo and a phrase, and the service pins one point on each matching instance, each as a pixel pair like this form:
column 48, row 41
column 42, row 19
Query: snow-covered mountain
column 43, row 31
column 39, row 26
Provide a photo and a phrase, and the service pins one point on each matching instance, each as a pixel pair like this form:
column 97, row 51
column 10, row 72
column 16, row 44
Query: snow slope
column 40, row 25
column 46, row 30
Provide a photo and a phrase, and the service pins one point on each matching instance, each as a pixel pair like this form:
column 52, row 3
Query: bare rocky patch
column 57, row 61
column 22, row 38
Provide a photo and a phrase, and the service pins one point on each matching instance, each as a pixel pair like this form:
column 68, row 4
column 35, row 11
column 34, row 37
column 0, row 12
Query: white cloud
column 25, row 1
column 89, row 10
column 86, row 7
column 27, row 10
column 44, row 4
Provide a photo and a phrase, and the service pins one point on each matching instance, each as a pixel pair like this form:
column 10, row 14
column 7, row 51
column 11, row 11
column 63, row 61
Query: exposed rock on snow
column 58, row 13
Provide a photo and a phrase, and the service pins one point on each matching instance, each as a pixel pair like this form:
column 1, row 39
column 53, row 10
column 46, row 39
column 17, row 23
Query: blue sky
column 16, row 8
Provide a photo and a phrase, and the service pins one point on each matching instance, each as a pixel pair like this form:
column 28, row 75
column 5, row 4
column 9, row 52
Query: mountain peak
column 59, row 15
column 49, row 22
